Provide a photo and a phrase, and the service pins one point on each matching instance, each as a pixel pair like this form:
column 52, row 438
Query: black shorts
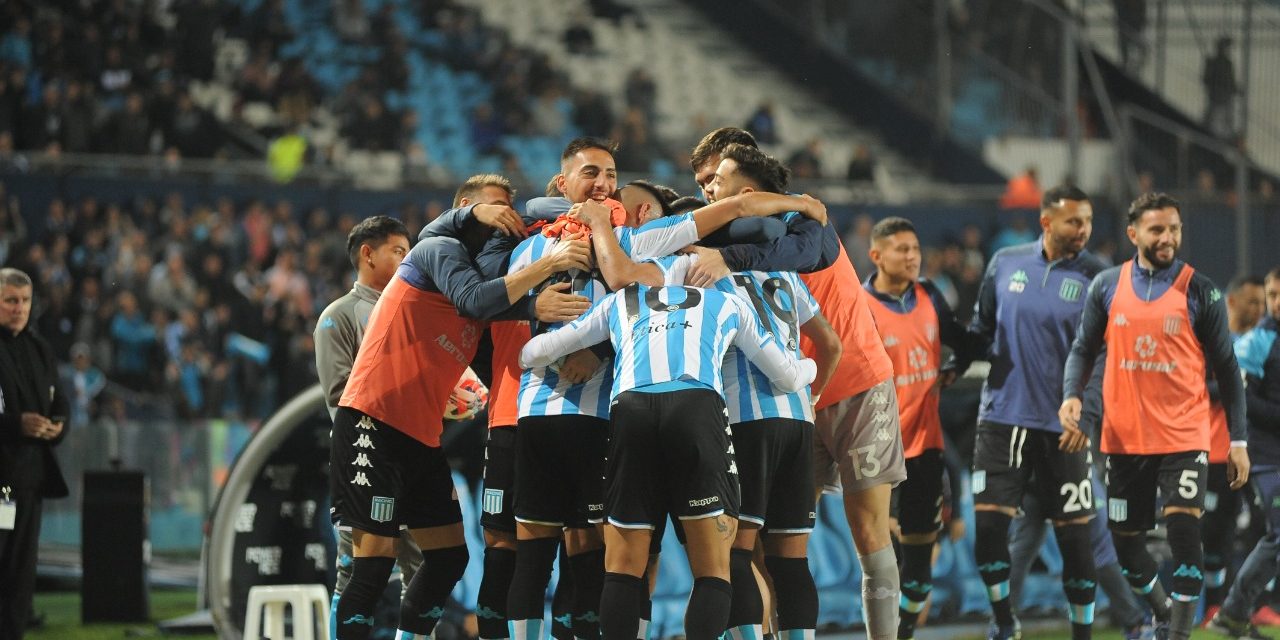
column 1132, row 481
column 1009, row 460
column 775, row 472
column 917, row 502
column 381, row 479
column 1219, row 498
column 497, row 511
column 559, row 466
column 669, row 454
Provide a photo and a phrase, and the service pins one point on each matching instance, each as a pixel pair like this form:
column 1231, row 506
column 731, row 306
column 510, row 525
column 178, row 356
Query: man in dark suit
column 32, row 415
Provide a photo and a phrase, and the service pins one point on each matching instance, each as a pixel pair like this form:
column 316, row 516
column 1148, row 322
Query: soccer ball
column 468, row 398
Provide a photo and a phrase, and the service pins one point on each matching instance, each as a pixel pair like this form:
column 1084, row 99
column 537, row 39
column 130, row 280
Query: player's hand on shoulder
column 813, row 208
column 500, row 217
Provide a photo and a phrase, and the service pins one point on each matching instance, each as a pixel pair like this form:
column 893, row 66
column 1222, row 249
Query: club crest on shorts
column 493, row 501
column 1117, row 509
column 382, row 509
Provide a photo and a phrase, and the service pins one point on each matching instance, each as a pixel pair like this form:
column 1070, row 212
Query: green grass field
column 62, row 617
column 62, row 621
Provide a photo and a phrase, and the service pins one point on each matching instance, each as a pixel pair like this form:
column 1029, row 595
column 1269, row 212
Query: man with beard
column 1164, row 327
column 1025, row 320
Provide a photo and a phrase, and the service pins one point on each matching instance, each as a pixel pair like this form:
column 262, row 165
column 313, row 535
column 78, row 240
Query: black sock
column 991, row 551
column 620, row 604
column 526, row 598
column 355, row 606
column 708, row 611
column 423, row 602
column 917, row 582
column 1188, row 556
column 588, row 582
column 491, row 601
column 747, row 607
column 797, row 595
column 1079, row 577
column 1140, row 570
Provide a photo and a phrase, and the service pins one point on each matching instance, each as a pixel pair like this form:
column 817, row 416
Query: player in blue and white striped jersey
column 562, row 432
column 773, row 444
column 669, row 451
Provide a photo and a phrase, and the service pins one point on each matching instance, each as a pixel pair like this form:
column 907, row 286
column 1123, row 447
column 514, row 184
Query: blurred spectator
column 642, row 92
column 1220, row 89
column 763, row 125
column 806, row 162
column 486, row 129
column 15, row 46
column 1131, row 19
column 269, row 24
column 171, row 285
column 286, row 155
column 129, row 132
column 971, row 245
column 350, row 20
column 1266, row 193
column 1014, row 232
column 42, row 123
column 191, row 131
column 1022, row 191
column 419, row 169
column 862, row 167
column 257, row 81
column 857, row 243
column 1206, row 186
column 578, row 38
column 591, row 113
column 548, row 113
column 134, row 338
column 636, row 147
column 77, row 114
column 84, row 382
column 116, row 78
column 374, row 129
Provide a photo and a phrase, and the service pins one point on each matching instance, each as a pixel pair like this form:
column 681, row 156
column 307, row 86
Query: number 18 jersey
column 783, row 303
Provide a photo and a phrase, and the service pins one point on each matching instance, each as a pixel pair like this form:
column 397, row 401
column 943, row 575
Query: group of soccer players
column 717, row 362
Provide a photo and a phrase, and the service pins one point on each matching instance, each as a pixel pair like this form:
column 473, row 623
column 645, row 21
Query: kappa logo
column 362, row 460
column 918, row 357
column 364, row 442
column 382, row 508
column 1203, row 458
column 361, row 480
column 1145, row 345
column 1018, row 281
column 366, row 423
column 1121, row 320
column 882, row 435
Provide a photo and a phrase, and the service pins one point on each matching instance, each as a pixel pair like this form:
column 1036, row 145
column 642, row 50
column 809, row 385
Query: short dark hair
column 890, row 226
column 1273, row 274
column 686, row 203
column 759, row 167
column 1062, row 192
column 588, row 142
column 1148, row 201
column 372, row 231
column 663, row 194
column 475, row 184
column 1248, row 280
column 714, row 143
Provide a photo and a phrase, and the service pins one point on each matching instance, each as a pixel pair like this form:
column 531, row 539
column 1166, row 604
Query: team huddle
column 718, row 363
